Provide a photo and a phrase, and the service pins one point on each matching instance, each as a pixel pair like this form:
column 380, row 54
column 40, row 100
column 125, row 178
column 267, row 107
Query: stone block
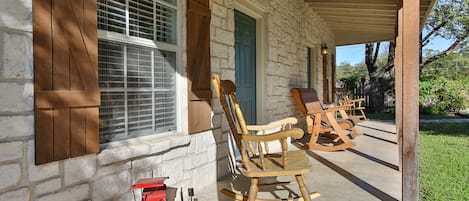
column 39, row 172
column 11, row 151
column 219, row 50
column 79, row 169
column 159, row 145
column 174, row 170
column 80, row 192
column 47, row 186
column 219, row 10
column 17, row 56
column 175, row 153
column 224, row 37
column 141, row 174
column 20, row 194
column 130, row 196
column 16, row 14
column 17, row 97
column 204, row 176
column 112, row 155
column 111, row 169
column 111, row 186
column 16, row 126
column 147, row 162
column 10, row 175
column 179, row 140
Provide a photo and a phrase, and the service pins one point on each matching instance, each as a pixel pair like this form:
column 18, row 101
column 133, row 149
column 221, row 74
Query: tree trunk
column 378, row 87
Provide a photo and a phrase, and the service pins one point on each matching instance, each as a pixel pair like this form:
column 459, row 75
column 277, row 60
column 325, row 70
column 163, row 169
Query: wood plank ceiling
column 362, row 21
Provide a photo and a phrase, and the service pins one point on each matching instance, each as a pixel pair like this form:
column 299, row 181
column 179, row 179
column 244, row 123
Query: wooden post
column 325, row 81
column 407, row 116
column 398, row 84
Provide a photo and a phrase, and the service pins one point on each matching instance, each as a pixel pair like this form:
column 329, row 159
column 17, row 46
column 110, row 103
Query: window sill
column 129, row 150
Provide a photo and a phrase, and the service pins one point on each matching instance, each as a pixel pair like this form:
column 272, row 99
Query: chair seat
column 298, row 163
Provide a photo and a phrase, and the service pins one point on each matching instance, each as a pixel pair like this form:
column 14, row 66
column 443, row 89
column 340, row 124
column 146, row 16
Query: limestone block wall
column 189, row 160
column 290, row 26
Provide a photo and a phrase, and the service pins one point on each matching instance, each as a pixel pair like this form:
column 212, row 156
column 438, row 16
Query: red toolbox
column 154, row 189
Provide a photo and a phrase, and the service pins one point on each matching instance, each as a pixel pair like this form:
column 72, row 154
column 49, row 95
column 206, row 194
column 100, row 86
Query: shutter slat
column 44, row 136
column 78, row 132
column 61, row 134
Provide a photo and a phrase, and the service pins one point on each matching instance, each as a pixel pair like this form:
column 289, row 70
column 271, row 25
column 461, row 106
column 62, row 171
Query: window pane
column 111, row 116
column 165, row 69
column 165, row 110
column 140, row 111
column 171, row 2
column 141, row 18
column 139, row 67
column 165, row 24
column 110, row 65
column 111, row 15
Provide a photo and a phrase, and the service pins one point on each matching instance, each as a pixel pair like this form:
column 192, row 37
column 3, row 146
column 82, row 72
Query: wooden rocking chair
column 257, row 160
column 353, row 105
column 323, row 121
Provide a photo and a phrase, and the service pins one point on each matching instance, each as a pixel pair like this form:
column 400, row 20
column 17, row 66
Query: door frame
column 257, row 12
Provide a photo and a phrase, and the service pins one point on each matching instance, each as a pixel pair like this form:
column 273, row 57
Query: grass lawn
column 444, row 161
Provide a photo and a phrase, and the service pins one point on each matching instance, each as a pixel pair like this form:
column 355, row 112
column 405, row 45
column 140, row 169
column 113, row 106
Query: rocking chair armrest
column 357, row 100
column 296, row 133
column 275, row 124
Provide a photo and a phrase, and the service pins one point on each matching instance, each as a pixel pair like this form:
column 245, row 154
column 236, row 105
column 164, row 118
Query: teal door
column 245, row 65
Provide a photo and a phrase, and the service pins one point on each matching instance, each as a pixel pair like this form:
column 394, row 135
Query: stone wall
column 290, row 26
column 189, row 160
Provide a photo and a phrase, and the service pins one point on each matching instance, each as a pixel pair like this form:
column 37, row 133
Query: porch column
column 407, row 93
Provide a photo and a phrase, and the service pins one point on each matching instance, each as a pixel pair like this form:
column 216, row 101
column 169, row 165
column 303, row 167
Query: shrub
column 440, row 95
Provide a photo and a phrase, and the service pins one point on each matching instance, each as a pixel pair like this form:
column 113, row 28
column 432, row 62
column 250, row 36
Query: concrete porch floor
column 368, row 171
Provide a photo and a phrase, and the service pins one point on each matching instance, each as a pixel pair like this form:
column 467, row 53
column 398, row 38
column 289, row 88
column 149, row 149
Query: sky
column 355, row 54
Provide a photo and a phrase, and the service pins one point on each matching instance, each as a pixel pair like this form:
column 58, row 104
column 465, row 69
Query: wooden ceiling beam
column 355, row 10
column 359, row 20
column 326, row 14
column 363, row 28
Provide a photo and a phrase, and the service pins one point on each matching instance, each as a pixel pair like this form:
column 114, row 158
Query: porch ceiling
column 362, row 21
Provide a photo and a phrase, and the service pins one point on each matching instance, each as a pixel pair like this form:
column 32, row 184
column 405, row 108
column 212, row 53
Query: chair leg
column 303, row 189
column 363, row 114
column 254, row 188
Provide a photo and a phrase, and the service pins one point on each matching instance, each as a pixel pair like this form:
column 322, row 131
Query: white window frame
column 180, row 81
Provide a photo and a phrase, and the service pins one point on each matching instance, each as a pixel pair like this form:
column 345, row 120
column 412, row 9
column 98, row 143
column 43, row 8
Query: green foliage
column 443, row 168
column 351, row 76
column 441, row 95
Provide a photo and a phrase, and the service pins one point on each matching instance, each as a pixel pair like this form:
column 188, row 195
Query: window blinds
column 154, row 20
column 138, row 87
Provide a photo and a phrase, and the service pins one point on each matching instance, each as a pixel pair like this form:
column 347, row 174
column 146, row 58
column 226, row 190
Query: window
column 137, row 52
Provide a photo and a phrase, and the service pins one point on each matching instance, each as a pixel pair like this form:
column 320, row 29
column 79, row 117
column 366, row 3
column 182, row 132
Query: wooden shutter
column 198, row 65
column 65, row 79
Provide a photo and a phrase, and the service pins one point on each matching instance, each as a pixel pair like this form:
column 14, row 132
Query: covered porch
column 369, row 171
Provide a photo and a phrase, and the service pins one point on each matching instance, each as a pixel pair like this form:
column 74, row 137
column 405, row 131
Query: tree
column 449, row 19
